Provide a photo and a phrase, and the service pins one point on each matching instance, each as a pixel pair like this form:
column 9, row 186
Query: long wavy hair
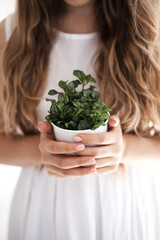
column 127, row 64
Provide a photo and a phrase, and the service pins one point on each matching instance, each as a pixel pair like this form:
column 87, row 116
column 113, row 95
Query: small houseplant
column 77, row 112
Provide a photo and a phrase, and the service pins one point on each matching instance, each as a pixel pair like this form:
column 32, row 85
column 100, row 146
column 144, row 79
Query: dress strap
column 9, row 25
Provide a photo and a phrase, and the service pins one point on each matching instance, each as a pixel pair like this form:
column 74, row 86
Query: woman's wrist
column 139, row 150
column 124, row 157
column 20, row 151
column 129, row 143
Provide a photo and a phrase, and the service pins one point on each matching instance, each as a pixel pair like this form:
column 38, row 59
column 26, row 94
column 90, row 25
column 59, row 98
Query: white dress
column 125, row 207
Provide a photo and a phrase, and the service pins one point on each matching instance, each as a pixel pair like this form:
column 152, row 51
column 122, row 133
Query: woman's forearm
column 140, row 150
column 20, row 151
column 24, row 151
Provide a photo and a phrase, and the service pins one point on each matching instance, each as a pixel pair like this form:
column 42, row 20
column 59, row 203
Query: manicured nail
column 40, row 124
column 92, row 171
column 80, row 147
column 91, row 160
column 76, row 138
column 113, row 121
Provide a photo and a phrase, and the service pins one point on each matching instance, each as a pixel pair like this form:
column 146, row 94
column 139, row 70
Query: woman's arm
column 140, row 150
column 115, row 148
column 20, row 151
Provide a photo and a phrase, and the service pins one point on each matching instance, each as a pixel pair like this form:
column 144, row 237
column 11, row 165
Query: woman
column 55, row 198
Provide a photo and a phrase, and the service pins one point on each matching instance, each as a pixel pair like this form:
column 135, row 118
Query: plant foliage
column 77, row 110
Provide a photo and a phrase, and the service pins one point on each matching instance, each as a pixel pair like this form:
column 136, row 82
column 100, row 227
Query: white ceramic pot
column 66, row 135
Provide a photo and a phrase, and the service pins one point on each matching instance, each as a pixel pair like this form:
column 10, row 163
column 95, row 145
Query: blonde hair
column 127, row 65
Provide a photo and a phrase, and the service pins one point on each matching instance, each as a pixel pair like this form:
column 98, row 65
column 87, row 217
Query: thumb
column 45, row 127
column 114, row 121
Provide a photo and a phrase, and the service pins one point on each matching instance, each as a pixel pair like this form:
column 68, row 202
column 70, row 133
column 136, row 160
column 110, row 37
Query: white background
column 6, row 7
column 8, row 174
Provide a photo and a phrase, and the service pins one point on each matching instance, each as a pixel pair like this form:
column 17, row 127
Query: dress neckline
column 75, row 35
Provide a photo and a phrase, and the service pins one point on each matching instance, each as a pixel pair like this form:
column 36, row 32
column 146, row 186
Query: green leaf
column 89, row 78
column 87, row 113
column 66, row 125
column 66, row 110
column 77, row 104
column 76, row 83
column 79, row 74
column 83, row 125
column 72, row 123
column 108, row 109
column 86, row 105
column 95, row 95
column 83, row 99
column 86, row 93
column 51, row 100
column 95, row 126
column 70, row 88
column 48, row 99
column 79, row 111
column 52, row 92
column 99, row 106
column 55, row 110
column 60, row 106
column 91, row 88
column 62, row 84
column 76, row 96
column 48, row 118
column 63, row 98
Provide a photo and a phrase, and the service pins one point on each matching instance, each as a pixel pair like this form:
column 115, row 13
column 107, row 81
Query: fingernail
column 76, row 138
column 92, row 171
column 80, row 147
column 91, row 160
column 40, row 124
column 113, row 121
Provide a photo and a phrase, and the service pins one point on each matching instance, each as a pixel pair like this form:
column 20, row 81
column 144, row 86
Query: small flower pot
column 66, row 135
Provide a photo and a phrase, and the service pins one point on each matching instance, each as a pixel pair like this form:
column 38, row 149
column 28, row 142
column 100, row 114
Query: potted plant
column 77, row 112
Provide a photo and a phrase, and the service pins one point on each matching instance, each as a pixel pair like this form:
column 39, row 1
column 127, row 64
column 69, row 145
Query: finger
column 107, row 170
column 55, row 175
column 73, row 172
column 113, row 122
column 67, row 162
column 104, row 162
column 46, row 129
column 101, row 151
column 97, row 138
column 100, row 138
column 56, row 147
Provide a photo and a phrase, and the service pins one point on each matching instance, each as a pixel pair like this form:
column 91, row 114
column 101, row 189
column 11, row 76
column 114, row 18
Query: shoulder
column 6, row 28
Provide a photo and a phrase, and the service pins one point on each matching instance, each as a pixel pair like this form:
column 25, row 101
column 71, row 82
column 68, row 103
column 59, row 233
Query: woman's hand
column 109, row 154
column 56, row 156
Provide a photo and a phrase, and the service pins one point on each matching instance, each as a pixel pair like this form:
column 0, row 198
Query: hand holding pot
column 109, row 154
column 56, row 156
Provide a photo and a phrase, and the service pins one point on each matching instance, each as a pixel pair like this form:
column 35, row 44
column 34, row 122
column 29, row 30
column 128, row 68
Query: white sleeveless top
column 85, row 208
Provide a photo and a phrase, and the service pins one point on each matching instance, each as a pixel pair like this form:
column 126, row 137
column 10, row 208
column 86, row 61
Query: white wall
column 8, row 174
